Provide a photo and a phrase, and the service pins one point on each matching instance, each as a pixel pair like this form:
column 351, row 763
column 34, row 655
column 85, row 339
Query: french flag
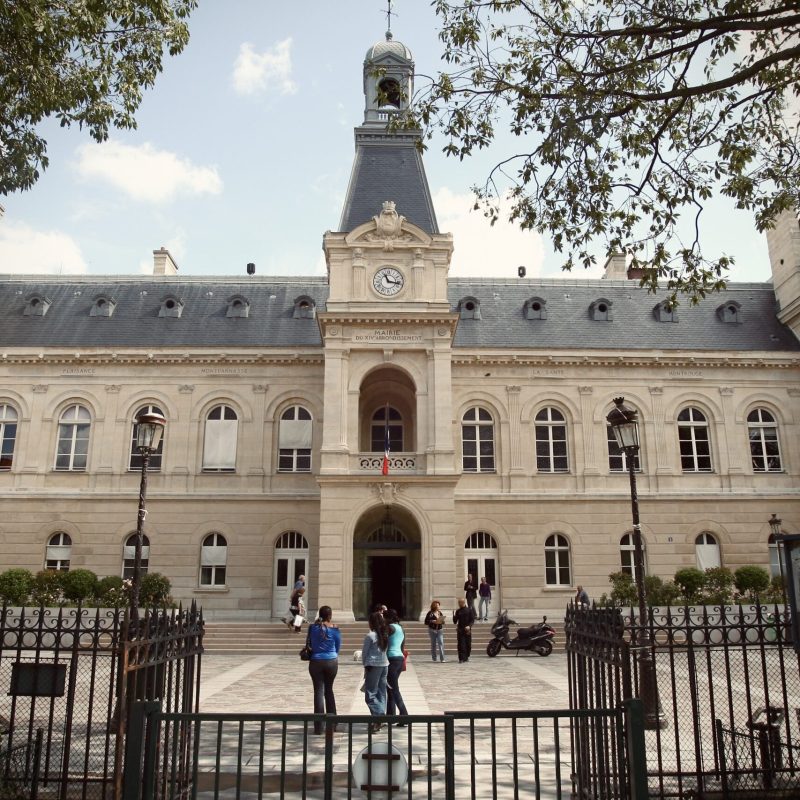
column 386, row 448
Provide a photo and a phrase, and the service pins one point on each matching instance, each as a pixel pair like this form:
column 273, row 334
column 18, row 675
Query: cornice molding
column 315, row 356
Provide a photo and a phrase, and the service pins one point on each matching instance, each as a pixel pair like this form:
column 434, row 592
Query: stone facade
column 277, row 392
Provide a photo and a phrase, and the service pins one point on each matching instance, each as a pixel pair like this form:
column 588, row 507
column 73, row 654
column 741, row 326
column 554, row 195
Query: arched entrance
column 387, row 566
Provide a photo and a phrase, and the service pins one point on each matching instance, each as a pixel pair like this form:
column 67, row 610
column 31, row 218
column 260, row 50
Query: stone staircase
column 274, row 638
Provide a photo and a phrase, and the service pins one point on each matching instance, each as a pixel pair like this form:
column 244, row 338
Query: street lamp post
column 625, row 424
column 777, row 537
column 149, row 428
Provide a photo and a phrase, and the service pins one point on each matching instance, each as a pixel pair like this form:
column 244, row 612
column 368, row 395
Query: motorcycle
column 537, row 638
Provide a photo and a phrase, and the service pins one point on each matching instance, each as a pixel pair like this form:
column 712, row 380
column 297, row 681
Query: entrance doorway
column 386, row 563
column 386, row 574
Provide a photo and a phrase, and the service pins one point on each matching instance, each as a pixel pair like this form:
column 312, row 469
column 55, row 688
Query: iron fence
column 519, row 754
column 73, row 673
column 724, row 674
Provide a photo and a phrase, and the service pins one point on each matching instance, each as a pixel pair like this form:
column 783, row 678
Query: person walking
column 581, row 597
column 376, row 666
column 470, row 593
column 464, row 617
column 397, row 644
column 434, row 619
column 485, row 595
column 325, row 640
column 300, row 583
column 297, row 610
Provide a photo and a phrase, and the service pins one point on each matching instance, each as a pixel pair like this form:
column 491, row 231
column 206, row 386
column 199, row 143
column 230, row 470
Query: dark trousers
column 323, row 674
column 394, row 700
column 464, row 644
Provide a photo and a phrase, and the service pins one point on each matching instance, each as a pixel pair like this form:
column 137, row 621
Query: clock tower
column 387, row 465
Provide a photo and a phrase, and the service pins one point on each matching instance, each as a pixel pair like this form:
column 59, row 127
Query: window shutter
column 295, row 434
column 707, row 556
column 214, row 556
column 219, row 448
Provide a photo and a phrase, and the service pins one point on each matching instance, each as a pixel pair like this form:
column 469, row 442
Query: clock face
column 388, row 281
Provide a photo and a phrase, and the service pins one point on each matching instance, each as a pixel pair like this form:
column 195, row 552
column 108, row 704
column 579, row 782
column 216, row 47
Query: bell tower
column 784, row 255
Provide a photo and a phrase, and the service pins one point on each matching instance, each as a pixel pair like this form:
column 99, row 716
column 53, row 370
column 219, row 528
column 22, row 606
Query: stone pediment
column 388, row 230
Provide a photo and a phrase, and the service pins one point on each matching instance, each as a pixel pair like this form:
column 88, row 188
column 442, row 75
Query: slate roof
column 135, row 322
column 388, row 171
column 633, row 327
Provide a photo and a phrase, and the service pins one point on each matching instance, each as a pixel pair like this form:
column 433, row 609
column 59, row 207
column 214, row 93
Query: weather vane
column 389, row 15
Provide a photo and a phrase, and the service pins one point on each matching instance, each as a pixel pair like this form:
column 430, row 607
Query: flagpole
column 386, row 445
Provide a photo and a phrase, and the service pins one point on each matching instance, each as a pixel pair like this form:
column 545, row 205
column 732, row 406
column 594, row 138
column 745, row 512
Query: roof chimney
column 615, row 266
column 163, row 263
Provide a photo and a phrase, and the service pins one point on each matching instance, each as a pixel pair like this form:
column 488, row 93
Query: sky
column 243, row 153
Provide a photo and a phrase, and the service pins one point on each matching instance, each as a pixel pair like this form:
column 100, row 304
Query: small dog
column 356, row 655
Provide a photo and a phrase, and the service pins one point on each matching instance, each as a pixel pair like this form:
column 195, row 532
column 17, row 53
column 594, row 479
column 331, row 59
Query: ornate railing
column 401, row 462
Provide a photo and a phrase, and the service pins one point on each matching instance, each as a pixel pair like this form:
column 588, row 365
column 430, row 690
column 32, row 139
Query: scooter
column 537, row 638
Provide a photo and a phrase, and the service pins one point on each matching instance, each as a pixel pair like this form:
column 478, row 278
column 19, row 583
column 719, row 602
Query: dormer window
column 389, row 94
column 304, row 308
column 665, row 312
column 730, row 312
column 238, row 306
column 103, row 306
column 469, row 308
column 171, row 306
column 535, row 308
column 36, row 305
column 600, row 310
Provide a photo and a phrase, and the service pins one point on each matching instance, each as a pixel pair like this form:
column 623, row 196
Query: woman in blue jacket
column 376, row 666
column 326, row 641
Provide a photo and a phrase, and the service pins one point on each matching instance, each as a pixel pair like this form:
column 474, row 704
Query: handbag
column 306, row 652
column 405, row 660
column 468, row 630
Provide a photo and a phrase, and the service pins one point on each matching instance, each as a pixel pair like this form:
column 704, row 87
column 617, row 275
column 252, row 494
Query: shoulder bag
column 305, row 653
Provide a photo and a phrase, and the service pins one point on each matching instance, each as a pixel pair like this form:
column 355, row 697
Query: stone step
column 272, row 638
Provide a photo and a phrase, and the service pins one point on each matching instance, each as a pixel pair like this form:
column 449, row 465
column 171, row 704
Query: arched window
column 551, row 441
column 694, row 441
column 763, row 435
column 477, row 441
column 557, row 561
column 627, row 555
column 294, row 440
column 221, row 436
column 706, row 549
column 8, row 435
column 213, row 560
column 135, row 461
column 129, row 556
column 390, row 94
column 378, row 430
column 73, row 438
column 292, row 540
column 59, row 552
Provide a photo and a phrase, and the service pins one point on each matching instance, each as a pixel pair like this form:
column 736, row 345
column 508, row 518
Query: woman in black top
column 470, row 592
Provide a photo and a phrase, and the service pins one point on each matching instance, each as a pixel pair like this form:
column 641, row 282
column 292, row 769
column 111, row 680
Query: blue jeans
column 375, row 689
column 437, row 643
column 394, row 700
column 483, row 603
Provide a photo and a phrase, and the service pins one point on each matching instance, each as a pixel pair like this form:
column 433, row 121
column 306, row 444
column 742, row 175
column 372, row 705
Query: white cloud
column 268, row 71
column 146, row 173
column 24, row 250
column 481, row 249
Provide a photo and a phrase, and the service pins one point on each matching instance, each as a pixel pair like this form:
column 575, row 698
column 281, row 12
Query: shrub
column 113, row 592
column 718, row 586
column 47, row 587
column 623, row 589
column 154, row 590
column 691, row 581
column 78, row 585
column 661, row 593
column 775, row 591
column 751, row 581
column 15, row 586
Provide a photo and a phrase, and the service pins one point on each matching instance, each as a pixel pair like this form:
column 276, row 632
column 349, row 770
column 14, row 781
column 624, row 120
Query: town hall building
column 280, row 395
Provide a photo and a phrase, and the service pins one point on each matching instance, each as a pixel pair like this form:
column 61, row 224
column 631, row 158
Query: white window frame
column 557, row 551
column 707, row 551
column 220, row 439
column 74, row 421
column 9, row 425
column 213, row 561
column 295, row 436
column 547, row 421
column 627, row 555
column 129, row 556
column 58, row 552
column 477, row 421
column 761, row 433
column 689, row 431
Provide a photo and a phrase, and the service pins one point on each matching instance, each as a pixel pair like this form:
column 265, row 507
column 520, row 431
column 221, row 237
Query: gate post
column 449, row 767
column 136, row 775
column 637, row 754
